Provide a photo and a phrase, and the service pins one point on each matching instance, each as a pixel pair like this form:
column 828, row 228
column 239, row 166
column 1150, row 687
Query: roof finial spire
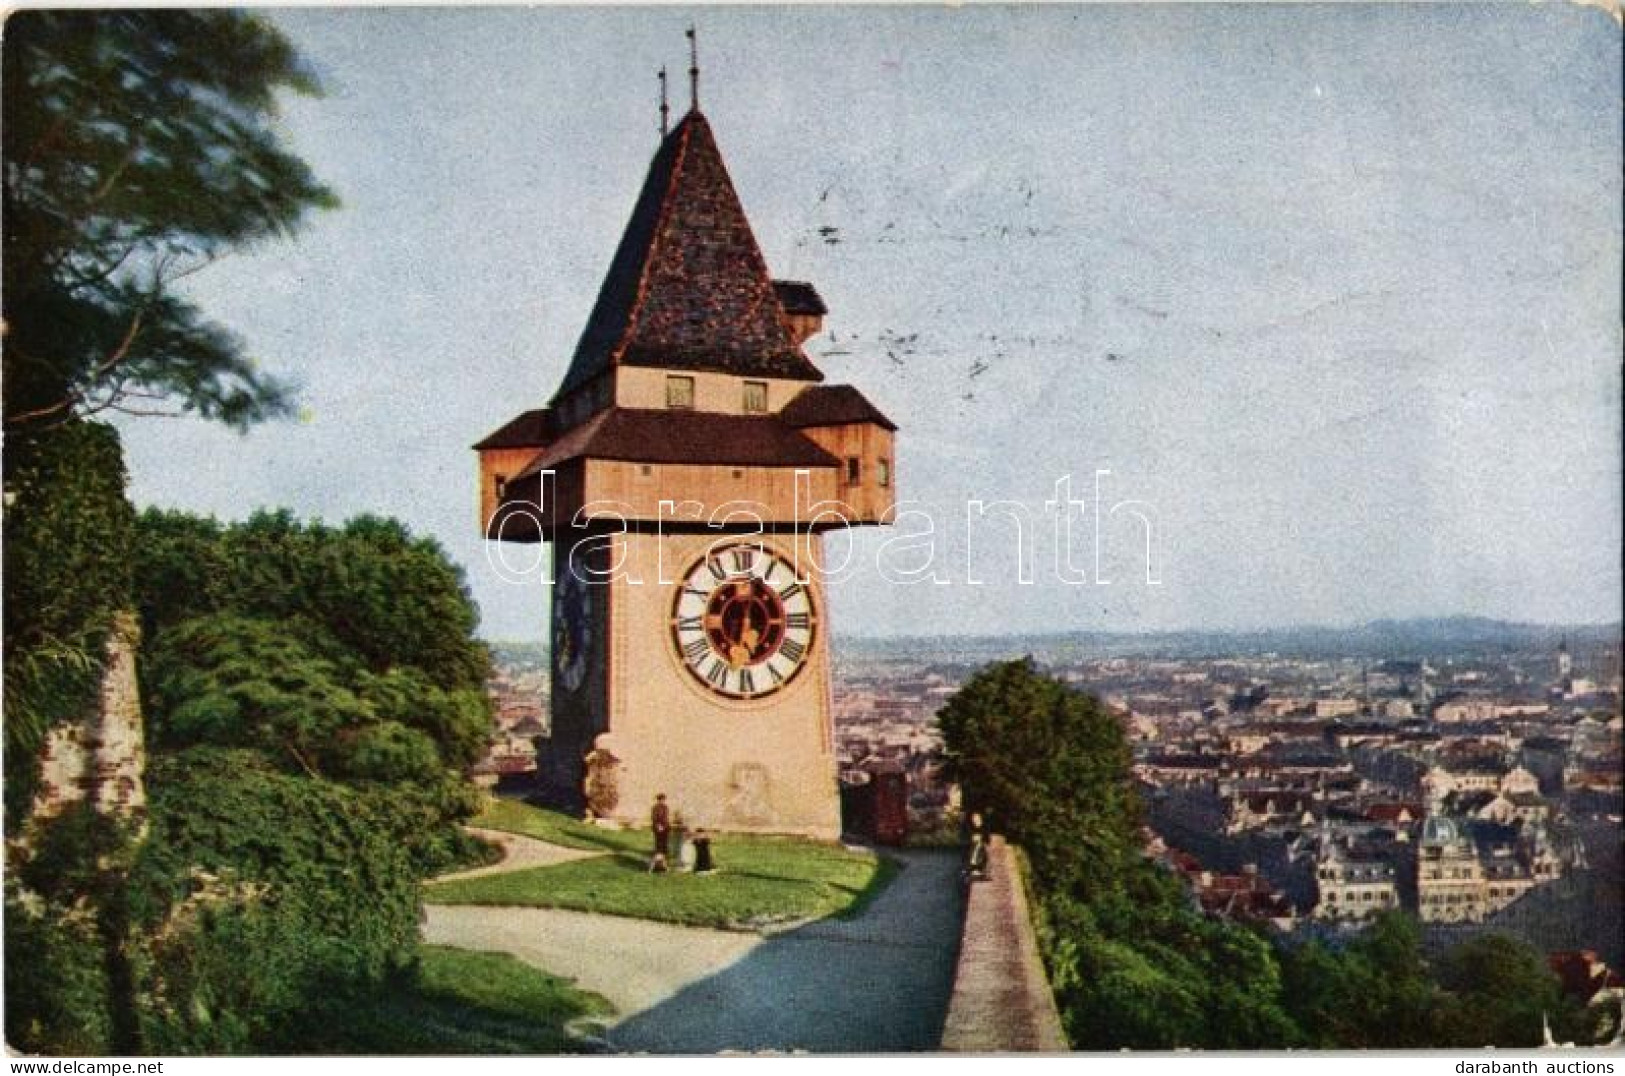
column 693, row 70
column 665, row 109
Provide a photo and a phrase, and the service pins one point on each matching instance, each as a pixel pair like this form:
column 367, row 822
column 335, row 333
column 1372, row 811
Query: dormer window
column 854, row 470
column 680, row 393
column 883, row 472
column 755, row 397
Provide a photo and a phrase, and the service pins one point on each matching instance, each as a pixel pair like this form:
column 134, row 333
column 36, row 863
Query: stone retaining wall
column 1001, row 1001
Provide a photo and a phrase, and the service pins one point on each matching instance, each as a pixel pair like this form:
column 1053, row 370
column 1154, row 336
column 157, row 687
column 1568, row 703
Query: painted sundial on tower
column 741, row 622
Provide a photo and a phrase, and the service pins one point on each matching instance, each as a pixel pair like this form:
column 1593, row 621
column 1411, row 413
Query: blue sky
column 1334, row 290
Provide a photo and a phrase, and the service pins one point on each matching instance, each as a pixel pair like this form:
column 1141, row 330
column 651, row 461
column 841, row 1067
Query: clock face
column 740, row 622
column 572, row 627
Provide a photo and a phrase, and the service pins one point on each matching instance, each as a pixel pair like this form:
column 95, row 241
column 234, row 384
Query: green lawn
column 462, row 1002
column 511, row 816
column 760, row 881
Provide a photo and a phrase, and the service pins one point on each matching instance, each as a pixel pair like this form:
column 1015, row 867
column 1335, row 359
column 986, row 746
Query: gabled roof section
column 531, row 429
column 638, row 435
column 832, row 405
column 688, row 288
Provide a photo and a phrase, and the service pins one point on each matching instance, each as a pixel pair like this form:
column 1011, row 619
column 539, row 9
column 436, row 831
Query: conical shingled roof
column 688, row 288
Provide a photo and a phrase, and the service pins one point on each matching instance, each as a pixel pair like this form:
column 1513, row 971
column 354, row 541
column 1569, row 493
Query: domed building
column 1449, row 878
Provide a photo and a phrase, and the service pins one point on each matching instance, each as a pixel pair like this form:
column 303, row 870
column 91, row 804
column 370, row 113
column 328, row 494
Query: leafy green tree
column 389, row 751
column 1245, row 1005
column 1049, row 767
column 368, row 592
column 1400, row 993
column 238, row 682
column 139, row 146
column 458, row 722
column 181, row 567
column 1501, row 990
column 1375, row 992
column 1327, row 994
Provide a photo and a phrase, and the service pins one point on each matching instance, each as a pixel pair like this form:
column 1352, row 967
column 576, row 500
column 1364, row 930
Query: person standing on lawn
column 703, row 864
column 660, row 824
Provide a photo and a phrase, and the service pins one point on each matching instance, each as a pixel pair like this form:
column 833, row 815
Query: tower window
column 854, row 470
column 756, row 397
column 680, row 393
column 501, row 483
column 883, row 472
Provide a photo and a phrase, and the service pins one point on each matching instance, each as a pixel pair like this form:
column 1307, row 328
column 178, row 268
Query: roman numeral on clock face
column 718, row 673
column 743, row 560
column 792, row 649
column 695, row 649
column 747, row 683
column 790, row 591
column 798, row 620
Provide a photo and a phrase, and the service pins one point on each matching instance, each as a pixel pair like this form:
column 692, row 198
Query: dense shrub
column 378, row 596
column 57, row 995
column 257, row 891
column 68, row 530
column 339, row 653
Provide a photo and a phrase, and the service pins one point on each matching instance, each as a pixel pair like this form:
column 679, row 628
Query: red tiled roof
column 688, row 287
column 670, row 436
column 832, row 405
column 1389, row 812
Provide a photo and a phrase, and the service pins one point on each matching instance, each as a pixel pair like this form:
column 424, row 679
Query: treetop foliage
column 138, row 147
column 344, row 652
column 366, row 592
column 1048, row 766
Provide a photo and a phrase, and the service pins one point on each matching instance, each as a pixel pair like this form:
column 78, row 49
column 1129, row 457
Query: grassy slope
column 760, row 881
column 464, row 1003
column 511, row 816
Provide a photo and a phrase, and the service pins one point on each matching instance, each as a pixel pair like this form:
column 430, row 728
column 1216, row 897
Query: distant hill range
column 1439, row 637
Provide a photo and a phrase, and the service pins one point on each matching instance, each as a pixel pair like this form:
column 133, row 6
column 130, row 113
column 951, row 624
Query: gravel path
column 876, row 983
column 518, row 853
column 634, row 963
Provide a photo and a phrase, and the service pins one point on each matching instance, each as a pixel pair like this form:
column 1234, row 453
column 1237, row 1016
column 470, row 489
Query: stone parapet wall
column 1001, row 1002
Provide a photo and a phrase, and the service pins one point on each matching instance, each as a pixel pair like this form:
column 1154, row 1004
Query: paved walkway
column 1002, row 1001
column 518, row 853
column 876, row 983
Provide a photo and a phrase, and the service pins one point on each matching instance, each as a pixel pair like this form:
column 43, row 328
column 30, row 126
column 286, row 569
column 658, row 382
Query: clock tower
column 684, row 474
